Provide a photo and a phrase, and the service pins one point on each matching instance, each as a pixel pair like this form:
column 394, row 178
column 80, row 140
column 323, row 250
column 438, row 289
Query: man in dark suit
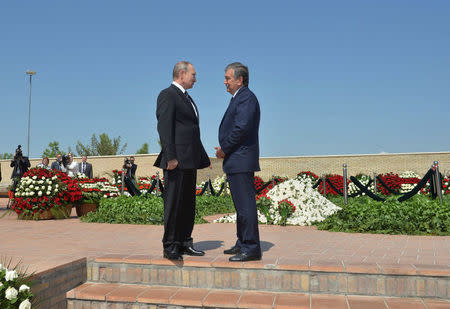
column 181, row 155
column 21, row 165
column 133, row 168
column 85, row 167
column 239, row 149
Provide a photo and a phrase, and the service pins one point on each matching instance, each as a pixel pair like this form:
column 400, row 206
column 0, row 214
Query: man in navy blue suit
column 239, row 149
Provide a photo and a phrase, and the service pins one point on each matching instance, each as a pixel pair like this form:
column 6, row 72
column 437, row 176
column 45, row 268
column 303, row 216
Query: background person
column 239, row 149
column 181, row 155
column 20, row 165
column 85, row 167
column 58, row 165
column 72, row 166
column 44, row 163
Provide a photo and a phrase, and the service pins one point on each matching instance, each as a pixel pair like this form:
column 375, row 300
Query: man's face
column 58, row 157
column 132, row 160
column 232, row 83
column 188, row 77
column 83, row 158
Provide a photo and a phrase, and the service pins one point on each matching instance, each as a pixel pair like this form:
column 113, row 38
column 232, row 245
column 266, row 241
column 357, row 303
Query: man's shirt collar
column 179, row 86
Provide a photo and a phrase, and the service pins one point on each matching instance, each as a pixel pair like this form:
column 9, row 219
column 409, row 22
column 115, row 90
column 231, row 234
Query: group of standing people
column 71, row 167
column 21, row 164
column 183, row 153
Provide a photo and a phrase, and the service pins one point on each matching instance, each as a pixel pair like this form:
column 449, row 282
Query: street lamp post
column 31, row 73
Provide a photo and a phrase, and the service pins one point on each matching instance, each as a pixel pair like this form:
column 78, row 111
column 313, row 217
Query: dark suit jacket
column 23, row 166
column 55, row 166
column 238, row 133
column 179, row 131
column 88, row 171
column 133, row 170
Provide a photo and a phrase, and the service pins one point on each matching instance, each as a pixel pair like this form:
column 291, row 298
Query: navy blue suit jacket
column 238, row 133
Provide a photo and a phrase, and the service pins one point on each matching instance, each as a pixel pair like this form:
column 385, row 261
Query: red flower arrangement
column 40, row 190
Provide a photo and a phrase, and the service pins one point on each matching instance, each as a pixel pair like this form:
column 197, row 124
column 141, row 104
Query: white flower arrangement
column 14, row 292
column 31, row 186
column 310, row 205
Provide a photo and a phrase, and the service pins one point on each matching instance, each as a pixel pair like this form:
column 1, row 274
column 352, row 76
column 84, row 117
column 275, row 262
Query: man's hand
column 219, row 153
column 172, row 164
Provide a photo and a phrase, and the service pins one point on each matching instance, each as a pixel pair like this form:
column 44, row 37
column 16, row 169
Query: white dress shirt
column 184, row 91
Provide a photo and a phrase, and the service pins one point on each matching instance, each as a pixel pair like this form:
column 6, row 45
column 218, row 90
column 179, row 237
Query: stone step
column 282, row 275
column 133, row 296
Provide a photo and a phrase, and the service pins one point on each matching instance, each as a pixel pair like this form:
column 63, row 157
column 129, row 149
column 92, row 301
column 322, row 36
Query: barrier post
column 324, row 185
column 375, row 189
column 123, row 181
column 157, row 183
column 438, row 180
column 208, row 190
column 345, row 183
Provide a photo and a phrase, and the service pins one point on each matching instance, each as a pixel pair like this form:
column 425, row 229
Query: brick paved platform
column 47, row 245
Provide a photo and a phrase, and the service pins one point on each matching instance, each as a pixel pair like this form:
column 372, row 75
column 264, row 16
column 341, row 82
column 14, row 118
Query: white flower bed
column 309, row 205
column 409, row 174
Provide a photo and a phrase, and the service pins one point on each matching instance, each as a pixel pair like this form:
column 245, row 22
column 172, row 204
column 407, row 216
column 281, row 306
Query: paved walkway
column 45, row 244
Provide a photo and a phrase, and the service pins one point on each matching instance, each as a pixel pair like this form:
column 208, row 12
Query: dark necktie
column 192, row 103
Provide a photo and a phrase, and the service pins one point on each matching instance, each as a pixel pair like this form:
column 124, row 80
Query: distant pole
column 31, row 73
column 438, row 181
column 324, row 185
column 345, row 183
column 375, row 183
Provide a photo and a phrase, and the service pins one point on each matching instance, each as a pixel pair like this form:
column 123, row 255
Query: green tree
column 101, row 146
column 52, row 150
column 143, row 149
column 6, row 156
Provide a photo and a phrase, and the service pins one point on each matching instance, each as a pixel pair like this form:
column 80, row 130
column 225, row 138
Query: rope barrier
column 419, row 186
column 390, row 190
column 365, row 190
column 221, row 188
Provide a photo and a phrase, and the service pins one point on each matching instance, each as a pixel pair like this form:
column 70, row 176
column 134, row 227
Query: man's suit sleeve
column 243, row 122
column 91, row 171
column 165, row 113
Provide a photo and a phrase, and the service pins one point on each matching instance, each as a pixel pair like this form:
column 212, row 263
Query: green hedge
column 419, row 215
column 142, row 210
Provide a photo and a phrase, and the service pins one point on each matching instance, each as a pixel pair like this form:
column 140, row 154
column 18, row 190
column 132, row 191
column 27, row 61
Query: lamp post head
column 30, row 72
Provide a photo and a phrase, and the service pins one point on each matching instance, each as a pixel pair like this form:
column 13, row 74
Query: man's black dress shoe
column 174, row 256
column 243, row 257
column 192, row 251
column 232, row 250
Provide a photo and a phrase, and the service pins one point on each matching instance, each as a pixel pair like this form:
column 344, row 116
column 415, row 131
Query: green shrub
column 142, row 210
column 211, row 205
column 417, row 216
column 132, row 210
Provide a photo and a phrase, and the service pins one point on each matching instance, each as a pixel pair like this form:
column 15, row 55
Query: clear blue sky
column 332, row 77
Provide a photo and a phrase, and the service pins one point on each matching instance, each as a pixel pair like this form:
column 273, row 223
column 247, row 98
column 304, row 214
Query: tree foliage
column 143, row 149
column 102, row 145
column 6, row 156
column 52, row 150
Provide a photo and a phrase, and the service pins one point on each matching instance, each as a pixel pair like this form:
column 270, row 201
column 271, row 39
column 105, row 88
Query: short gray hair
column 180, row 66
column 239, row 70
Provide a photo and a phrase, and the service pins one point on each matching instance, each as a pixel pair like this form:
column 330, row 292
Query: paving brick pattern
column 322, row 256
column 49, row 243
column 140, row 296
